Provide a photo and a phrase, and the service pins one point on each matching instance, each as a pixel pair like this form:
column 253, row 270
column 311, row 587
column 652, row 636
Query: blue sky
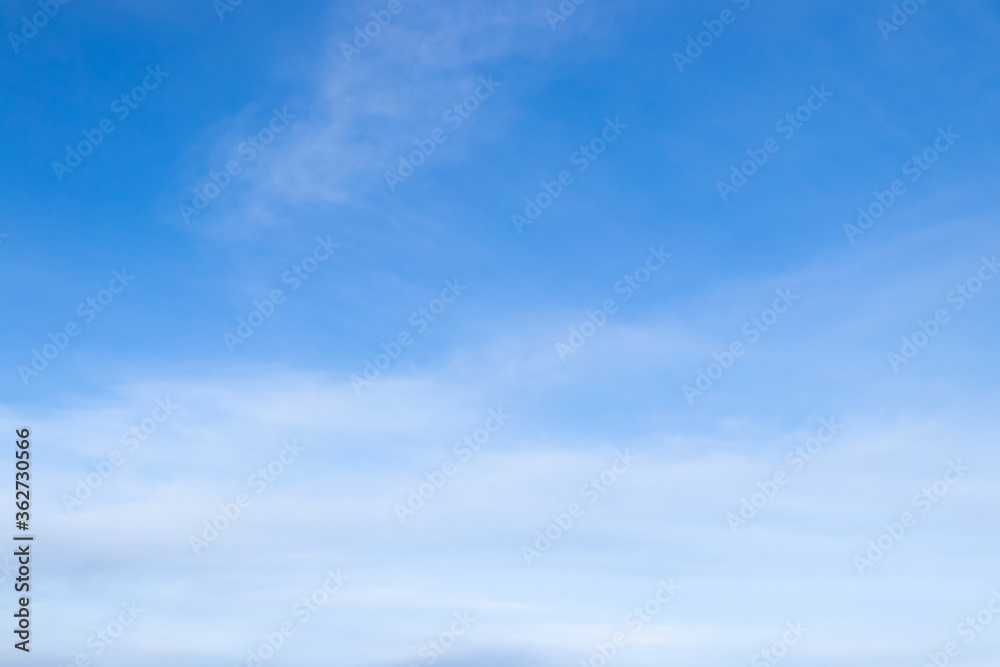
column 499, row 298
